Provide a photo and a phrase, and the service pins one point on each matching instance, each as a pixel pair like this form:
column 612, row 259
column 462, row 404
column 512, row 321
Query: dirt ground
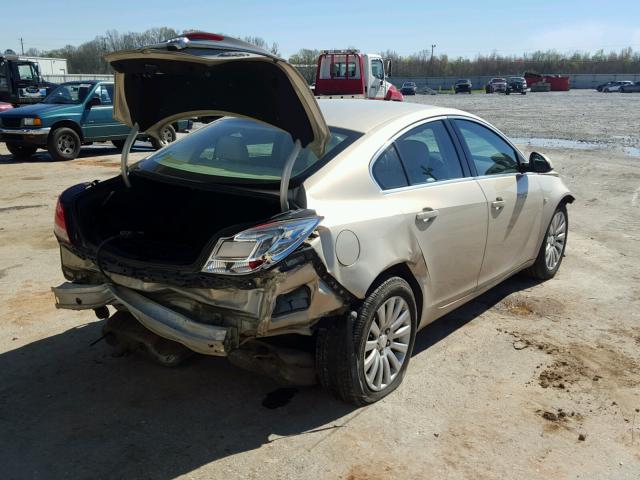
column 529, row 381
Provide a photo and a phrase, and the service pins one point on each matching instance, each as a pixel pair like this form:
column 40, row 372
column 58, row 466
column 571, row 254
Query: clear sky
column 458, row 28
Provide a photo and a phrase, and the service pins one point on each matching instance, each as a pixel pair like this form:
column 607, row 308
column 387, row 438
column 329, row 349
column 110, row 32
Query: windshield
column 69, row 93
column 234, row 149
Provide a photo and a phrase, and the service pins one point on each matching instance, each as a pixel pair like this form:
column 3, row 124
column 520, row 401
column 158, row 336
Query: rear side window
column 491, row 154
column 428, row 154
column 388, row 171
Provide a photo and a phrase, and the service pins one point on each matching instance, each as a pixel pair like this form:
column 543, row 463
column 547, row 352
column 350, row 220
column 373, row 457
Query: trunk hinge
column 286, row 176
column 124, row 159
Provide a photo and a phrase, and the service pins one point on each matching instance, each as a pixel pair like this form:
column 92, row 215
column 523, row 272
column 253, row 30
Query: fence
column 580, row 80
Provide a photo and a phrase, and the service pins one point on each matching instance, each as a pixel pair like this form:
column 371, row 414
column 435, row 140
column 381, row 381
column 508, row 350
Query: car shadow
column 86, row 152
column 446, row 325
column 70, row 409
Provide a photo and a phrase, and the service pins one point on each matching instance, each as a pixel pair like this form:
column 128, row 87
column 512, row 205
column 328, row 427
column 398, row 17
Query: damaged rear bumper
column 165, row 322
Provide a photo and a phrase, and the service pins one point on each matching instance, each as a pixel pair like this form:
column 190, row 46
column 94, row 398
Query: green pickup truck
column 72, row 115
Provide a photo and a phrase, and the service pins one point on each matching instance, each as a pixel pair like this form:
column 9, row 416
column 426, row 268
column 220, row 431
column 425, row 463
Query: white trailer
column 48, row 66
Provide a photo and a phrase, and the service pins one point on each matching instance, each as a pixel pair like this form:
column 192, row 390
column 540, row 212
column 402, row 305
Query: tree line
column 88, row 58
column 422, row 64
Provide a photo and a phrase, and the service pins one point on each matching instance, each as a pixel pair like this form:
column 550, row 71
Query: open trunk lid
column 202, row 74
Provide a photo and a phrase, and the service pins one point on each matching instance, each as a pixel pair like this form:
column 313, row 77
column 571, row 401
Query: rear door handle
column 427, row 214
column 498, row 203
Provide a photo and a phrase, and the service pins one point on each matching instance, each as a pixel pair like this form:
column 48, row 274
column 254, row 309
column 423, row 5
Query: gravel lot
column 502, row 388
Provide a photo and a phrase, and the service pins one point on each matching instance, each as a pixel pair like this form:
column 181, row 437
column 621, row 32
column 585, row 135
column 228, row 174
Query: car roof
column 363, row 115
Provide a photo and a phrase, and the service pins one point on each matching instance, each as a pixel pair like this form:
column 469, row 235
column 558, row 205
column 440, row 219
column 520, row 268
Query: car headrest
column 231, row 149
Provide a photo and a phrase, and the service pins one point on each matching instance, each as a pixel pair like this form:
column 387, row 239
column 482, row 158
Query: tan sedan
column 307, row 240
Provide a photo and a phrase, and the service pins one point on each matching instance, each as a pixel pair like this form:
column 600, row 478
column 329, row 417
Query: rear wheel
column 167, row 135
column 119, row 144
column 552, row 249
column 365, row 364
column 63, row 144
column 21, row 151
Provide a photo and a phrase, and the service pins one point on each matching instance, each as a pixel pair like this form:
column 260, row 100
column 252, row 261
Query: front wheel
column 552, row 249
column 365, row 364
column 167, row 135
column 63, row 144
column 21, row 151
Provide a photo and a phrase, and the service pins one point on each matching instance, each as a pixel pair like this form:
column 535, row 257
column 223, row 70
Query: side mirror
column 387, row 67
column 93, row 102
column 539, row 163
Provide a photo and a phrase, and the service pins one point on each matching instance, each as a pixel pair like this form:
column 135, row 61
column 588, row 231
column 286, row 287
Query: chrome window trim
column 392, row 139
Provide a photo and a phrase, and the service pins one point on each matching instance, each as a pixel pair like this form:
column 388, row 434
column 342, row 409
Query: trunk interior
column 171, row 224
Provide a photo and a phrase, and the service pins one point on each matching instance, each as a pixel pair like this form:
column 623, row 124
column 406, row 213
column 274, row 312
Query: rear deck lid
column 202, row 74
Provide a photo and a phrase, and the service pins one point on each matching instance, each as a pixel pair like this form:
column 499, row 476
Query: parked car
column 615, row 86
column 496, row 85
column 630, row 88
column 462, row 85
column 408, row 88
column 516, row 85
column 315, row 239
column 73, row 114
column 601, row 86
column 4, row 106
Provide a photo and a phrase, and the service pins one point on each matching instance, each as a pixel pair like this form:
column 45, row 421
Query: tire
column 21, row 151
column 167, row 135
column 541, row 269
column 507, row 92
column 119, row 144
column 344, row 348
column 469, row 92
column 63, row 144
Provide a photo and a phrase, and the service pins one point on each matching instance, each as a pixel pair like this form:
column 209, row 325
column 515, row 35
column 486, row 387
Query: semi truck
column 351, row 74
column 21, row 82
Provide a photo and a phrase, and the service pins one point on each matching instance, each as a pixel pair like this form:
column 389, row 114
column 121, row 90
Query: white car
column 616, row 86
column 305, row 239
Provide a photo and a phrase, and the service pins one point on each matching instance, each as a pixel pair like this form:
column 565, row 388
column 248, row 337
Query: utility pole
column 431, row 61
column 22, row 45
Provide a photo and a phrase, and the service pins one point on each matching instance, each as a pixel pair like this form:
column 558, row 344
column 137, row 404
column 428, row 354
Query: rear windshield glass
column 239, row 150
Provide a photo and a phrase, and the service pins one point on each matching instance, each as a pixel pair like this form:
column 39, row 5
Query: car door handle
column 427, row 214
column 498, row 203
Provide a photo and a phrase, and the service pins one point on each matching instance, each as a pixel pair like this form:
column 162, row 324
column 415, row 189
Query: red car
column 5, row 106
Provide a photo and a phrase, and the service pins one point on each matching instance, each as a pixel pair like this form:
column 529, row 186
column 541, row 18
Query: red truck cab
column 351, row 74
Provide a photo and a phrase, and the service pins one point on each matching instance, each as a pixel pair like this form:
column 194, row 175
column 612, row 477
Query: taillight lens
column 259, row 247
column 60, row 224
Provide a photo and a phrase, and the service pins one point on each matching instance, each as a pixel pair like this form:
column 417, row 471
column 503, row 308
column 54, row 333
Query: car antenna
column 124, row 159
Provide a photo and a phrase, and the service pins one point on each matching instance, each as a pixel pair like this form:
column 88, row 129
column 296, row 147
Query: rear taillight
column 259, row 247
column 60, row 224
column 204, row 36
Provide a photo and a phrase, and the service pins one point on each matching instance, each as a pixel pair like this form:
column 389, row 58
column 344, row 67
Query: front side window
column 388, row 171
column 491, row 154
column 232, row 149
column 27, row 72
column 428, row 154
column 377, row 68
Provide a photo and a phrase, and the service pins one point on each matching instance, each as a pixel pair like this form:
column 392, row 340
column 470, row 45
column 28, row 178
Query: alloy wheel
column 387, row 343
column 66, row 144
column 556, row 238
